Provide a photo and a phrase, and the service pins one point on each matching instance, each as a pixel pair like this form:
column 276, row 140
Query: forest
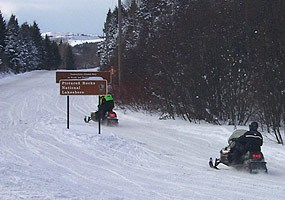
column 220, row 61
column 22, row 49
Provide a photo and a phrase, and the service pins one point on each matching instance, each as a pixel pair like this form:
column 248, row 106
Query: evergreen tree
column 107, row 48
column 219, row 61
column 13, row 45
column 2, row 31
column 69, row 59
column 55, row 56
column 46, row 62
column 131, row 34
column 38, row 40
column 23, row 49
column 3, row 60
column 51, row 55
column 29, row 52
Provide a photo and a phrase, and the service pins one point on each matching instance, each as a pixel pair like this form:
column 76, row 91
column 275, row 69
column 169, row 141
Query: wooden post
column 99, row 119
column 67, row 100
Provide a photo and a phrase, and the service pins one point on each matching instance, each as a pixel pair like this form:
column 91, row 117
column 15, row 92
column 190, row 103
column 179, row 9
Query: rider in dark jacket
column 106, row 104
column 251, row 140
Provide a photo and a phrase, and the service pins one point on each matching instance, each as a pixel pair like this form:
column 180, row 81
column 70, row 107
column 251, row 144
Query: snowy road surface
column 142, row 159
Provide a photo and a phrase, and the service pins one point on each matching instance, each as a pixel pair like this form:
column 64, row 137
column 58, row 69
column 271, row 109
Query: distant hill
column 86, row 55
column 84, row 47
column 73, row 38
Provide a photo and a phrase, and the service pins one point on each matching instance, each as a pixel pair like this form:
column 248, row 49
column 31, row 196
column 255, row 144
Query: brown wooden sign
column 81, row 75
column 83, row 87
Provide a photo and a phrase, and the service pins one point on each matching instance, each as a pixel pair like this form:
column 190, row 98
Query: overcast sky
column 77, row 16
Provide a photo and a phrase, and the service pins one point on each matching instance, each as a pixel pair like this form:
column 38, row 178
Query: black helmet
column 253, row 126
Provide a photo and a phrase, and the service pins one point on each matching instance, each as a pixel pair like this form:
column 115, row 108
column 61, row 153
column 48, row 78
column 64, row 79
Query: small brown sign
column 81, row 75
column 83, row 87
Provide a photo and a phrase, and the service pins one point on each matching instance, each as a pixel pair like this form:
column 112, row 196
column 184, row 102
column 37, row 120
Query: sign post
column 82, row 87
column 67, row 108
column 99, row 121
column 73, row 82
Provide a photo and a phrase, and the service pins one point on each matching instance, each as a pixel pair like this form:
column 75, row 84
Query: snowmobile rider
column 251, row 140
column 106, row 104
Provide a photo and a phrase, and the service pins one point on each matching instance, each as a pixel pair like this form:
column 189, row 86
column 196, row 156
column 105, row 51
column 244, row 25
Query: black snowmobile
column 252, row 161
column 110, row 118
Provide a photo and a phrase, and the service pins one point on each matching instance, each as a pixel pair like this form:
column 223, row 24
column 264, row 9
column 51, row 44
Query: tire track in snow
column 35, row 143
column 111, row 163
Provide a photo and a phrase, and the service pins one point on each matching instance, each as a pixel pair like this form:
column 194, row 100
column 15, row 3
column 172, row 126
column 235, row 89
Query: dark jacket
column 251, row 141
column 106, row 105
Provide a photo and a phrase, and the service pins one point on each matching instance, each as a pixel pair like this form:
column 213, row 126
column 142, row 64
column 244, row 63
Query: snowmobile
column 110, row 118
column 252, row 161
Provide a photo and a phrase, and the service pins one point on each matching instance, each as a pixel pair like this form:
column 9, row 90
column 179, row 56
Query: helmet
column 109, row 97
column 253, row 126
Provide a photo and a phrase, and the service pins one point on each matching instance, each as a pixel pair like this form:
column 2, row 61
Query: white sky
column 77, row 16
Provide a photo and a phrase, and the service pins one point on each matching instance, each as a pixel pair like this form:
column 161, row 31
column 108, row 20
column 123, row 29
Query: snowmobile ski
column 110, row 118
column 87, row 119
column 212, row 165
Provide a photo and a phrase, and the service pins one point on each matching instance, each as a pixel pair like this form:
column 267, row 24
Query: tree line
column 219, row 61
column 22, row 49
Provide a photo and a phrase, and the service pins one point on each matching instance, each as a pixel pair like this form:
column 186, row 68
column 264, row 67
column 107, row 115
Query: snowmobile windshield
column 236, row 134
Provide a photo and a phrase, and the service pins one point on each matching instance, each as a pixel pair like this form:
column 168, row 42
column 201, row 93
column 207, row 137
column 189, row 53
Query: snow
column 77, row 42
column 73, row 38
column 144, row 158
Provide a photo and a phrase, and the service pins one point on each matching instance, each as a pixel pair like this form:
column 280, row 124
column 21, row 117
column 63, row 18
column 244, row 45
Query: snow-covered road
column 142, row 159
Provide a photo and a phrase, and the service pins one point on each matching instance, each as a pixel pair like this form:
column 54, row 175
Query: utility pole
column 119, row 42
